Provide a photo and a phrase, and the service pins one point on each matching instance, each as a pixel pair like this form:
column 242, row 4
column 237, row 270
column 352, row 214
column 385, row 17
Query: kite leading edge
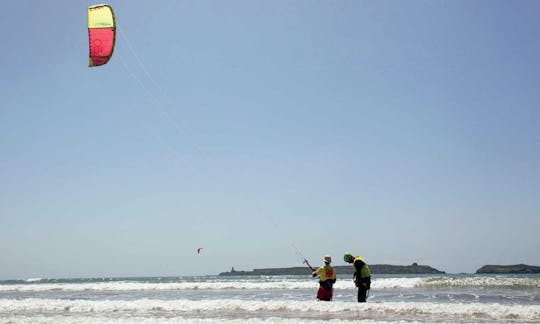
column 101, row 34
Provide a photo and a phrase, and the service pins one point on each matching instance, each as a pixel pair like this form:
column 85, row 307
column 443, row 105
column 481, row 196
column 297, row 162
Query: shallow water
column 269, row 299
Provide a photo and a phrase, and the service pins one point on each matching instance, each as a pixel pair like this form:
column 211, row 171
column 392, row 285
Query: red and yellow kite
column 101, row 34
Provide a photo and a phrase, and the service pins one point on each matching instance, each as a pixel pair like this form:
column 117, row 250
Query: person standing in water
column 361, row 277
column 327, row 278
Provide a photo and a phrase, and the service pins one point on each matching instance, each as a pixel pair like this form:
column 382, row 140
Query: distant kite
column 199, row 250
column 101, row 34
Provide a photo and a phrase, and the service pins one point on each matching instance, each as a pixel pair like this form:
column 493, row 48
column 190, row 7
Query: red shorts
column 323, row 294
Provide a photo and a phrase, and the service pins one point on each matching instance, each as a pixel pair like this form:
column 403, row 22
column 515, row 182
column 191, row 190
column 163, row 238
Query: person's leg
column 324, row 294
column 319, row 293
column 362, row 294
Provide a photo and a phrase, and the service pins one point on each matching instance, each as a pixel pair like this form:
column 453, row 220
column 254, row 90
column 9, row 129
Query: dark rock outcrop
column 375, row 269
column 516, row 268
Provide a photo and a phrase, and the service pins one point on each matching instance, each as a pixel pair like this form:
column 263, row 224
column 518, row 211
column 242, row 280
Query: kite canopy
column 101, row 34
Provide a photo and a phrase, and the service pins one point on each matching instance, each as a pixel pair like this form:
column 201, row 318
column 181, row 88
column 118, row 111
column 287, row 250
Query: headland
column 508, row 269
column 348, row 269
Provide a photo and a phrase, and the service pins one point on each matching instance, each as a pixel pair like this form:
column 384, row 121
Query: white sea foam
column 264, row 309
column 384, row 283
column 484, row 282
column 134, row 286
column 59, row 319
column 391, row 283
column 532, row 283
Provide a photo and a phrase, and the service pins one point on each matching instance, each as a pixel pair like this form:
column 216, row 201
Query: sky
column 401, row 131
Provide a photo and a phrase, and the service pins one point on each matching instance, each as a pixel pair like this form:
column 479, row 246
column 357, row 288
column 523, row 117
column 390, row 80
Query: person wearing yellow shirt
column 327, row 278
column 361, row 277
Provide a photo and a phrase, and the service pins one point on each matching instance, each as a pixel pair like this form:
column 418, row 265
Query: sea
column 447, row 298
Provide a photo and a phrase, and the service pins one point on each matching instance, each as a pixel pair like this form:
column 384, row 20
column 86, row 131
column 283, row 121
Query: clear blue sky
column 402, row 131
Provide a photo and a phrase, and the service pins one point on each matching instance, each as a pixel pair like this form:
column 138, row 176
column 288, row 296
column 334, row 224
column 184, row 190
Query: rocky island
column 508, row 269
column 375, row 269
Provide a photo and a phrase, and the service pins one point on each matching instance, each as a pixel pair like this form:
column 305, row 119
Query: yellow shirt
column 364, row 272
column 325, row 272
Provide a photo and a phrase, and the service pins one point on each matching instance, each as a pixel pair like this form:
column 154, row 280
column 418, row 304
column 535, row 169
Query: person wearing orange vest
column 327, row 278
column 361, row 277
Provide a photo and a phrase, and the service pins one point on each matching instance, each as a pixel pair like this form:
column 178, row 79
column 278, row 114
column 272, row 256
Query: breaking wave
column 268, row 309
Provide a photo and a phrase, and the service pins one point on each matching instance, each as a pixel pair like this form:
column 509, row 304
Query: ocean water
column 272, row 299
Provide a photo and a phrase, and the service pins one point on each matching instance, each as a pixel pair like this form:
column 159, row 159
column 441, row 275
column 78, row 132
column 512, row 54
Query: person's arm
column 317, row 272
column 358, row 265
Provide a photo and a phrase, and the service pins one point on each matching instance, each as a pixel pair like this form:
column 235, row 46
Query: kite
column 101, row 34
column 199, row 250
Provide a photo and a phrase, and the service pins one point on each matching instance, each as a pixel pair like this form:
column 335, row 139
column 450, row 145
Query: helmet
column 327, row 259
column 348, row 257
